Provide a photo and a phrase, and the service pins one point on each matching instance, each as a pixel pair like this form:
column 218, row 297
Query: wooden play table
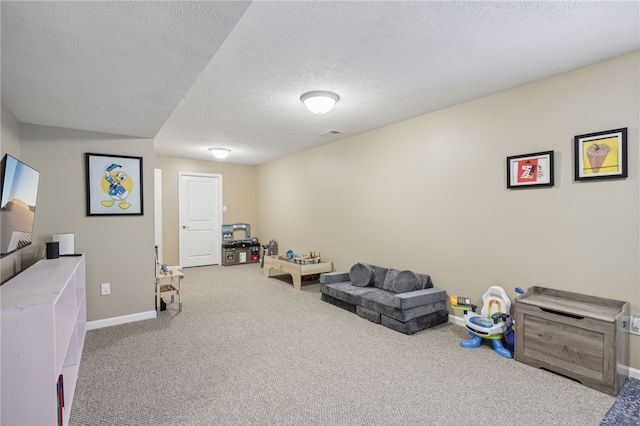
column 296, row 270
column 168, row 285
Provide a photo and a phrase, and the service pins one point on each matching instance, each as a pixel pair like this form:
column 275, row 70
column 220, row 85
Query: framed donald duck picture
column 114, row 185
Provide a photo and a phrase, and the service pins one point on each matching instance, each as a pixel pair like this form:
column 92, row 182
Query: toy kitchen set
column 235, row 252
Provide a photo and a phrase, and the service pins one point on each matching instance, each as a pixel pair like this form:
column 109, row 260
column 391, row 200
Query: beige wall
column 239, row 194
column 429, row 194
column 117, row 247
column 11, row 128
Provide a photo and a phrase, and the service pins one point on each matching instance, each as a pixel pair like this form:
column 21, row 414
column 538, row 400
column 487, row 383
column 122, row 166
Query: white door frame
column 216, row 235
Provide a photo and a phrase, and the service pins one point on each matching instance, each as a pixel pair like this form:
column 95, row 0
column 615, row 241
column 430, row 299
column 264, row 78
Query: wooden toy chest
column 582, row 337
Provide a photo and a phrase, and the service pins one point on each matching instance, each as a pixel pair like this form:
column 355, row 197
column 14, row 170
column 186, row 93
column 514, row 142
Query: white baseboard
column 456, row 320
column 633, row 372
column 108, row 322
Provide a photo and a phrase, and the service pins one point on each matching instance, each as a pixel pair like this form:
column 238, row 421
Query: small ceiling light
column 320, row 101
column 219, row 153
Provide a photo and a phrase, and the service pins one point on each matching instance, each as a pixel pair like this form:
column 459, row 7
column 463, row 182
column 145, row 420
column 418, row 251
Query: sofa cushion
column 345, row 291
column 419, row 297
column 380, row 274
column 361, row 275
column 417, row 324
column 388, row 303
column 424, row 281
column 368, row 314
column 339, row 303
column 334, row 277
column 391, row 275
column 404, row 282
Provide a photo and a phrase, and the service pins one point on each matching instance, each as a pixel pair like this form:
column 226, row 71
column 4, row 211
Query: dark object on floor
column 625, row 411
column 401, row 300
column 163, row 306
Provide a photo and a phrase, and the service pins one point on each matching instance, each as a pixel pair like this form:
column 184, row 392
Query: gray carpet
column 250, row 350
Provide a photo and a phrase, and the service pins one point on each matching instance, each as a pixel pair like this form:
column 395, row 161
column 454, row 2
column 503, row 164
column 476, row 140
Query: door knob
column 185, row 226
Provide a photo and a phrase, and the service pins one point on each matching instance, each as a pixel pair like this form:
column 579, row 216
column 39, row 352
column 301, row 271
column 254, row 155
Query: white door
column 200, row 219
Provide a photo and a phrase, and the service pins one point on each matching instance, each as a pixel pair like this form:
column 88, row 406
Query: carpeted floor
column 250, row 350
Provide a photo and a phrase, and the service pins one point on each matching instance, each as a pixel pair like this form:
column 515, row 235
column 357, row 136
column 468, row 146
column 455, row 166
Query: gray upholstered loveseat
column 401, row 300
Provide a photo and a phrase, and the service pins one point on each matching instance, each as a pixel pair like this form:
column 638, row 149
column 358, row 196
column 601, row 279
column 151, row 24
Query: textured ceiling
column 114, row 67
column 196, row 75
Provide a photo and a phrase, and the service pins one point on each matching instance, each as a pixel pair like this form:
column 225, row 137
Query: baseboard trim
column 108, row 322
column 456, row 320
column 633, row 372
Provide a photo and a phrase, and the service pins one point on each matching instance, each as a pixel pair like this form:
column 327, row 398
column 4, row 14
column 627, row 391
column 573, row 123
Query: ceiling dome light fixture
column 319, row 101
column 219, row 153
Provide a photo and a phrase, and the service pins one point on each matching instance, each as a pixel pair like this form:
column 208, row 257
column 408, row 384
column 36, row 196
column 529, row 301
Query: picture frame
column 114, row 185
column 530, row 170
column 601, row 155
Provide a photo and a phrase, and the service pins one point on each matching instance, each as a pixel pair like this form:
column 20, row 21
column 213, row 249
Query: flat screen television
column 19, row 186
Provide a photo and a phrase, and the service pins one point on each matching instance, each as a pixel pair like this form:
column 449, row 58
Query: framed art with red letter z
column 529, row 170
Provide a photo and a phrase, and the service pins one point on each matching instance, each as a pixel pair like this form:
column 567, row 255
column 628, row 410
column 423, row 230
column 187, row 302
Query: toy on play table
column 290, row 254
column 165, row 270
column 492, row 321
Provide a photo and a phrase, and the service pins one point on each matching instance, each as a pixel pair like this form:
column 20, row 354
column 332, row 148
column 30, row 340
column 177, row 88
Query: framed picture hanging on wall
column 114, row 185
column 529, row 170
column 601, row 155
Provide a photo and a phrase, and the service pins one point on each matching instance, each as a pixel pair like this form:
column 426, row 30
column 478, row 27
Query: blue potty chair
column 492, row 321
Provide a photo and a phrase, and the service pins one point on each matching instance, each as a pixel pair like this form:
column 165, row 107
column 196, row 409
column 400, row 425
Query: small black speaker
column 53, row 250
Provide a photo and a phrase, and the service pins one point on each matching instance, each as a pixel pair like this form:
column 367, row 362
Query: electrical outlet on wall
column 105, row 289
column 635, row 323
column 634, row 326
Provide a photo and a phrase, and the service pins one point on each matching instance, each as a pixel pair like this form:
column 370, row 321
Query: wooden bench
column 582, row 337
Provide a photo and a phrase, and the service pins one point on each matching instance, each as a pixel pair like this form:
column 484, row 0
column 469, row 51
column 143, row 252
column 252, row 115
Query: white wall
column 429, row 194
